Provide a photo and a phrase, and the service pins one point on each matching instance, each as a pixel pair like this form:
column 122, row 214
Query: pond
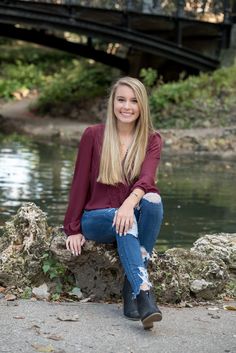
column 199, row 193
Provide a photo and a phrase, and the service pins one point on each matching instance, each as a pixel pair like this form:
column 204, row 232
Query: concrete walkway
column 29, row 327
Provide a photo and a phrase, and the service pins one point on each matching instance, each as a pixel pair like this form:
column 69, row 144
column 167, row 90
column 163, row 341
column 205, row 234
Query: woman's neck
column 125, row 130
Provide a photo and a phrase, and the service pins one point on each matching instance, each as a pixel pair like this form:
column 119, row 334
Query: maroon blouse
column 88, row 194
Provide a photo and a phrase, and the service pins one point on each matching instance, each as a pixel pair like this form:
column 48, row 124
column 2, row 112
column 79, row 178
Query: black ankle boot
column 130, row 304
column 147, row 308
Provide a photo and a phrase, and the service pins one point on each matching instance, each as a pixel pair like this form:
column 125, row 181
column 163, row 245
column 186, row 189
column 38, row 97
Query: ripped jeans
column 136, row 246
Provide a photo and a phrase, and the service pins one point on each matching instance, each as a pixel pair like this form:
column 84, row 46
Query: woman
column 114, row 197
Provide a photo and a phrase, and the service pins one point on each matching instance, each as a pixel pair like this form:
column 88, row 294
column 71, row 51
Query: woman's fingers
column 74, row 243
column 68, row 243
column 123, row 224
column 73, row 246
column 128, row 225
column 83, row 241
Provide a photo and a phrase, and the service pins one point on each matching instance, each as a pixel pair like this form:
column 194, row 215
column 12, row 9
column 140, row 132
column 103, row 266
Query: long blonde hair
column 112, row 171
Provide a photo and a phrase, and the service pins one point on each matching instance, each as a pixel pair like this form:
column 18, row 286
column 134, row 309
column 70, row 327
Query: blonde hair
column 112, row 170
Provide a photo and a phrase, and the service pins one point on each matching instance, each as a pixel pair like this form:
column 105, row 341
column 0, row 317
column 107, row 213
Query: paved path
column 29, row 327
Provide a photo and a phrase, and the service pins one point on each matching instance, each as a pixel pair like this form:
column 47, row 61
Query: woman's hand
column 124, row 218
column 74, row 243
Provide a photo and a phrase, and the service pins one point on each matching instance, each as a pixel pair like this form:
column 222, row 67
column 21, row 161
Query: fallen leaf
column 55, row 338
column 10, row 297
column 45, row 349
column 19, row 317
column 68, row 317
column 229, row 307
column 2, row 289
column 36, row 328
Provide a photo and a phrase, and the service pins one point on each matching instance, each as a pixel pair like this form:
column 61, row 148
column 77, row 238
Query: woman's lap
column 97, row 225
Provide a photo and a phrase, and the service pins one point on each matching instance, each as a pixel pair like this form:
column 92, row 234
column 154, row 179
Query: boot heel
column 148, row 321
column 148, row 310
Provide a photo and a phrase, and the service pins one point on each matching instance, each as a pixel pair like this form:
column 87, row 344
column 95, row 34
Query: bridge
column 165, row 34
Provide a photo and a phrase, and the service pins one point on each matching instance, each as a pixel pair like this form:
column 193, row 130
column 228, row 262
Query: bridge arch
column 35, row 20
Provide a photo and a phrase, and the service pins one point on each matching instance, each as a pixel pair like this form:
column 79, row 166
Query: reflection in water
column 34, row 172
column 198, row 193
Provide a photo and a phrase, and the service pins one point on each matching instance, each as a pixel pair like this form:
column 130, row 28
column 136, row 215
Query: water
column 198, row 193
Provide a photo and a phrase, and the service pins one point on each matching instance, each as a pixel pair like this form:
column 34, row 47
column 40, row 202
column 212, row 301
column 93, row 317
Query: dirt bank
column 17, row 117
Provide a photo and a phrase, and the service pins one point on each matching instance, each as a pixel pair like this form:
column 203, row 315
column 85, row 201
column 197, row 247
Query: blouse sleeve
column 80, row 184
column 146, row 180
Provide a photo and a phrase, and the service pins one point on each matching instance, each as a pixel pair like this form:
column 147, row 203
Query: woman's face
column 125, row 105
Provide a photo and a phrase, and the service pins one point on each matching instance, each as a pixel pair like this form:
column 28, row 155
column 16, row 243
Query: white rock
column 198, row 285
column 41, row 292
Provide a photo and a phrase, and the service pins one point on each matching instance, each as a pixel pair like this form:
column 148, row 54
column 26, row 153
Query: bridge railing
column 205, row 10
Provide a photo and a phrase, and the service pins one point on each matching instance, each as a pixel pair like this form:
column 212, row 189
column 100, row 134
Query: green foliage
column 79, row 81
column 19, row 76
column 27, row 293
column 149, row 76
column 52, row 267
column 197, row 101
column 24, row 68
column 231, row 288
column 27, row 67
column 55, row 297
column 61, row 279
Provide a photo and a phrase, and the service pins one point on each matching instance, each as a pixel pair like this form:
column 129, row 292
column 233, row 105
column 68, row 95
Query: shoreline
column 16, row 117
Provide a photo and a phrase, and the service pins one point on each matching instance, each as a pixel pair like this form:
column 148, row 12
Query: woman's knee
column 152, row 204
column 152, row 197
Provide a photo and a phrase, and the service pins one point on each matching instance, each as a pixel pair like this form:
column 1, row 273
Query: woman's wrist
column 131, row 200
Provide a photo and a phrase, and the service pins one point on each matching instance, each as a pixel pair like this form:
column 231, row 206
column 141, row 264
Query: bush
column 27, row 67
column 198, row 101
column 78, row 82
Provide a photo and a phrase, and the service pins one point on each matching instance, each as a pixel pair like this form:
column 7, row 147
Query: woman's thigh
column 97, row 225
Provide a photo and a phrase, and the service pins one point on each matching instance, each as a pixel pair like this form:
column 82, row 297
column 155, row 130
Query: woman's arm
column 146, row 180
column 80, row 184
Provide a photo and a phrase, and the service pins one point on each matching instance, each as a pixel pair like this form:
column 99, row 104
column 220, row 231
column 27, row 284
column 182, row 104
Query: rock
column 214, row 316
column 204, row 272
column 97, row 271
column 67, row 317
column 76, row 292
column 177, row 272
column 41, row 292
column 24, row 241
column 198, row 285
column 218, row 247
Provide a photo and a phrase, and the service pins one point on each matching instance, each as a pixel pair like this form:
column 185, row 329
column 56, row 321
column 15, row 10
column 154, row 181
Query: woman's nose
column 127, row 104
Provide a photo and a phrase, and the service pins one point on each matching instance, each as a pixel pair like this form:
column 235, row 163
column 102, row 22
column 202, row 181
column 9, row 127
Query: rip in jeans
column 144, row 276
column 152, row 197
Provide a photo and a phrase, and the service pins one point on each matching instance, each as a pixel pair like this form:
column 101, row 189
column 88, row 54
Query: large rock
column 25, row 240
column 97, row 272
column 177, row 275
column 218, row 247
column 204, row 272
